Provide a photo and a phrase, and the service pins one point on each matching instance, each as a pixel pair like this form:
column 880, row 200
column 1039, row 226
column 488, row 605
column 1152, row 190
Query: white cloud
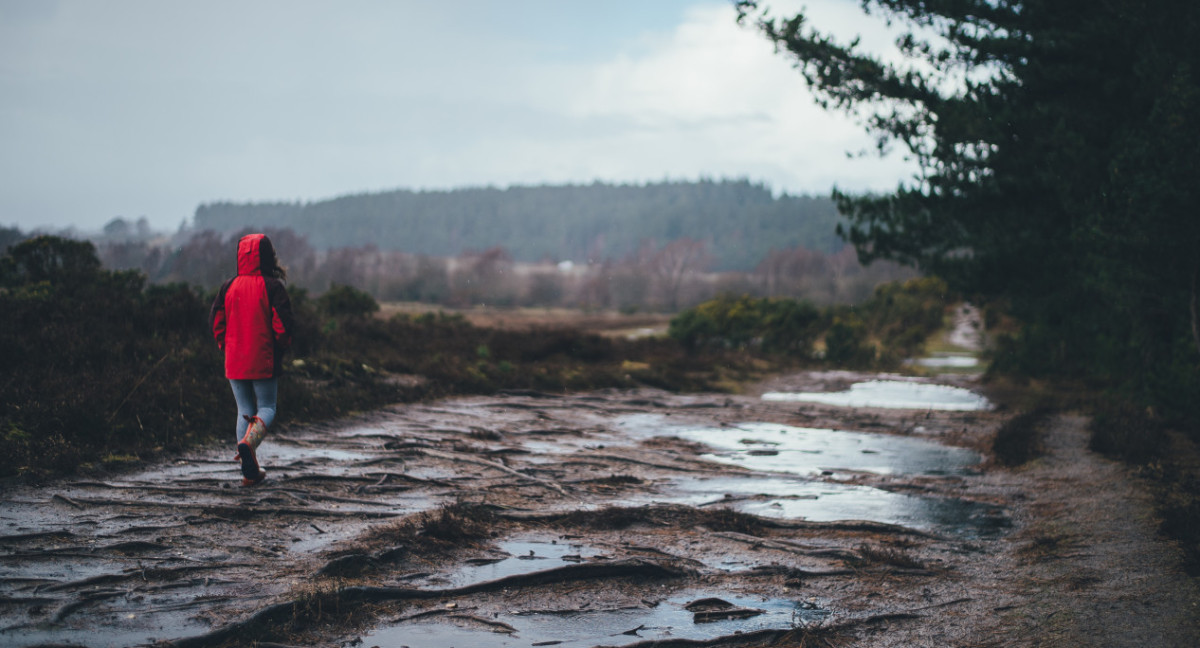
column 714, row 98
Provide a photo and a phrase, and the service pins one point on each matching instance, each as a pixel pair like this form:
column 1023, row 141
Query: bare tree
column 674, row 263
column 486, row 277
column 791, row 270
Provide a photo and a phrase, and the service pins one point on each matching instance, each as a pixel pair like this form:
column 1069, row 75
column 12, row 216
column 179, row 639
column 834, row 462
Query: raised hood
column 249, row 260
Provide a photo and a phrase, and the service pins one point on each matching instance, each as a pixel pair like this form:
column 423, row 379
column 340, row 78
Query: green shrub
column 347, row 301
column 784, row 326
column 93, row 363
column 49, row 258
column 691, row 328
column 791, row 327
column 846, row 343
column 903, row 315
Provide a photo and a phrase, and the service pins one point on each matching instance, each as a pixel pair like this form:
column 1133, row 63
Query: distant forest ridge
column 740, row 222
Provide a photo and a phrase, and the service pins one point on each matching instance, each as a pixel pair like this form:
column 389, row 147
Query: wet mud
column 616, row 518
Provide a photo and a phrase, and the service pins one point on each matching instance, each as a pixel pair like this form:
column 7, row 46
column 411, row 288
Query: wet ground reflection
column 892, row 394
column 510, row 559
column 792, row 498
column 946, row 361
column 819, row 458
column 775, row 447
column 670, row 619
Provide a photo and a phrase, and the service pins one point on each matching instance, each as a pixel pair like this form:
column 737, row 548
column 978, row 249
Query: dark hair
column 268, row 262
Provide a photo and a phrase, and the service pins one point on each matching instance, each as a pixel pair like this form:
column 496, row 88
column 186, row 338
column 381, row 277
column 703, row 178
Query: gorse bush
column 898, row 319
column 49, row 259
column 785, row 326
column 846, row 342
column 347, row 301
column 902, row 315
column 890, row 326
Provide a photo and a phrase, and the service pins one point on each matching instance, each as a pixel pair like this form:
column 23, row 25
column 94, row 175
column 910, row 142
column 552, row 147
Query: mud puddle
column 825, row 457
column 774, row 447
column 512, row 558
column 785, row 498
column 946, row 361
column 892, row 394
column 693, row 615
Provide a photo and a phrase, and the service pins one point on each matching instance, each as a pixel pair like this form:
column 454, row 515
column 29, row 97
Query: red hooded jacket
column 252, row 316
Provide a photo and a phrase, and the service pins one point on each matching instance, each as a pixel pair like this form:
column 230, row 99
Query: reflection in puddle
column 139, row 631
column 947, row 361
column 808, row 451
column 892, row 394
column 522, row 558
column 668, row 620
column 792, row 498
column 286, row 452
column 368, row 432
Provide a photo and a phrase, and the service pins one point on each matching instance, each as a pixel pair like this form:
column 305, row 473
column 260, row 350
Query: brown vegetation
column 655, row 278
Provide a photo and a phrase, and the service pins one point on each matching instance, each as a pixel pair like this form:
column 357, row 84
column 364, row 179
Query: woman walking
column 251, row 320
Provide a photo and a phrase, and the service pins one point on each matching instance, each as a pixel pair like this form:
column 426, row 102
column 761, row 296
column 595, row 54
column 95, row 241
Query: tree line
column 739, row 221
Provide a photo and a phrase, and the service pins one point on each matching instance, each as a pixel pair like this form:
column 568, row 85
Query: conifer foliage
column 1059, row 148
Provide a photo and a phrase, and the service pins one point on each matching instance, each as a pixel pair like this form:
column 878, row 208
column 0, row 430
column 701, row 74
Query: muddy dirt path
column 620, row 518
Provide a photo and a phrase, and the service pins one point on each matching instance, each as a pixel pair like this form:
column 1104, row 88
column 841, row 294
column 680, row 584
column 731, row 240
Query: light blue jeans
column 254, row 398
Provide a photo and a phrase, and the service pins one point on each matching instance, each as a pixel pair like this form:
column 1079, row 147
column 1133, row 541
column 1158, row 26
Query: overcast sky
column 137, row 108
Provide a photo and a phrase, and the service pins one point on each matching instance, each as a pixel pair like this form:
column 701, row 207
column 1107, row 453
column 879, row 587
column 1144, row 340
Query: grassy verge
column 1169, row 462
column 1162, row 453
